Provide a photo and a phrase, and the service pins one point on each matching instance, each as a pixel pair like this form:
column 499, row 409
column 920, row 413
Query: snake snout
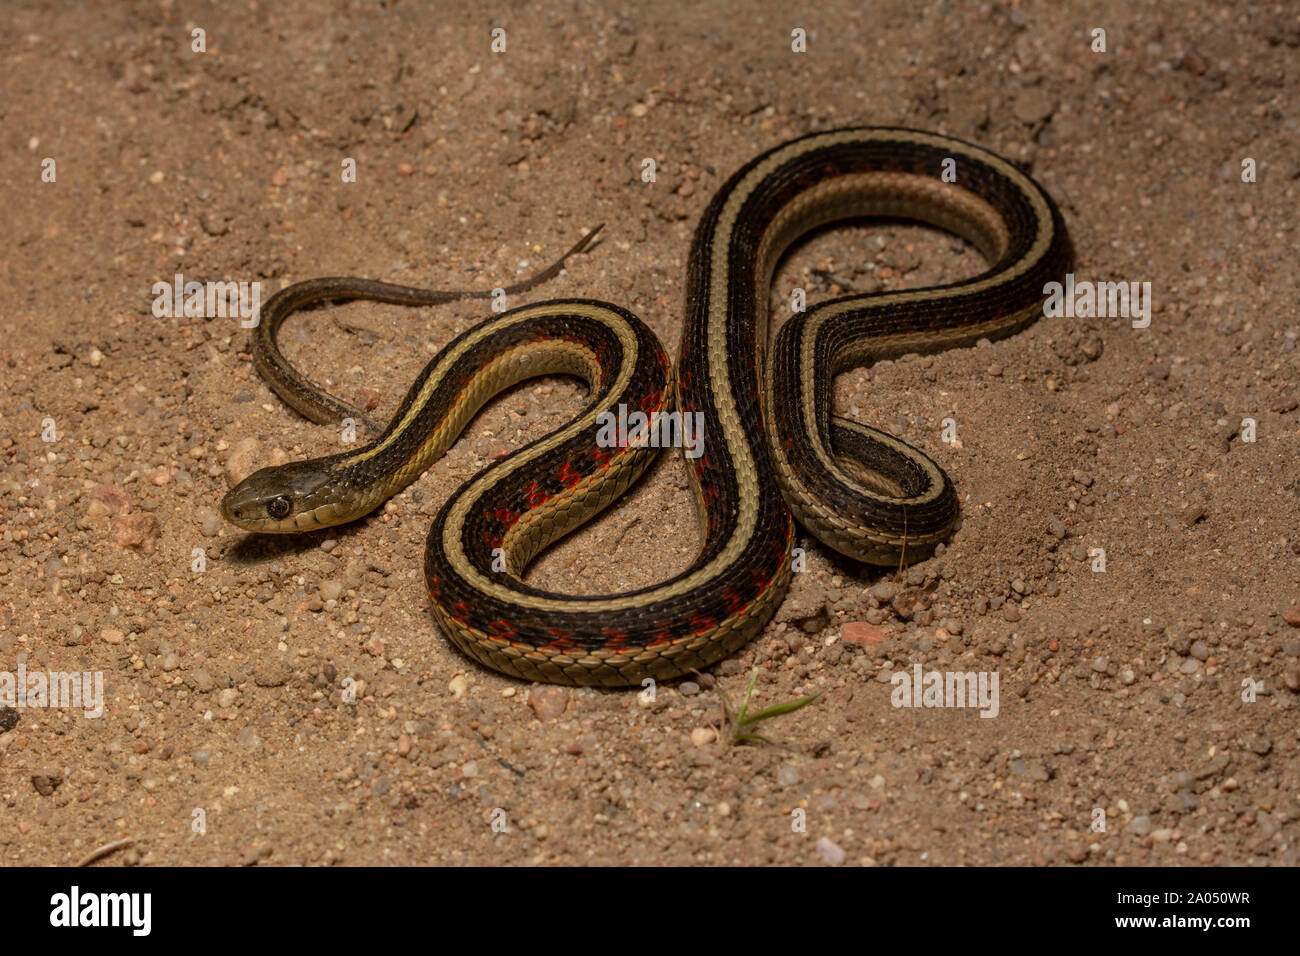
column 240, row 508
column 231, row 509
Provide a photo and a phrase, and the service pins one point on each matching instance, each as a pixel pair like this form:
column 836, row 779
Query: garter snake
column 769, row 443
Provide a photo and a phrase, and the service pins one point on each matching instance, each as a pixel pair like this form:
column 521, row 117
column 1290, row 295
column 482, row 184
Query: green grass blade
column 777, row 710
column 749, row 691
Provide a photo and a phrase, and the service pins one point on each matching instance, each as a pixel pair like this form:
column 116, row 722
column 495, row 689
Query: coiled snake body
column 770, row 444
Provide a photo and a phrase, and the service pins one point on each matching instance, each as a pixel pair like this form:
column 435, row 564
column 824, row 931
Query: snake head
column 289, row 498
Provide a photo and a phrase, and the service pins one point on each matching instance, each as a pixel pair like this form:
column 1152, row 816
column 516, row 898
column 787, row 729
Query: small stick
column 105, row 850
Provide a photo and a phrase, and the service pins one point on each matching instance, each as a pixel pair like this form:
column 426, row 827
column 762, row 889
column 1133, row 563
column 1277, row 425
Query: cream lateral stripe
column 848, row 196
column 446, row 361
column 449, row 428
column 576, row 493
column 458, row 416
column 728, row 416
column 815, row 438
column 468, row 499
column 878, row 194
column 672, row 648
column 528, row 515
column 834, row 309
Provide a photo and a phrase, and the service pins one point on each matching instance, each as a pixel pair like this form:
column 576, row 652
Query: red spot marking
column 615, row 638
column 502, row 629
column 506, row 516
column 536, row 495
column 662, row 634
column 562, row 642
column 710, row 495
column 780, row 548
column 569, row 476
column 735, row 600
column 701, row 623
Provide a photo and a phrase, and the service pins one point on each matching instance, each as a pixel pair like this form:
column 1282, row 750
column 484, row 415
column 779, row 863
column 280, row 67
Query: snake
column 751, row 413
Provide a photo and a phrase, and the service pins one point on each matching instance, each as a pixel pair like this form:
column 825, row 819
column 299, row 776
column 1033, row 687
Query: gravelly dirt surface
column 1121, row 691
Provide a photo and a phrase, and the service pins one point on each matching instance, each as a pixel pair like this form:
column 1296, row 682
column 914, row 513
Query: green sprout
column 735, row 722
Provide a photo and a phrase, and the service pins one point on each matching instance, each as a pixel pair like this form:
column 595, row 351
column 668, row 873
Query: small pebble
column 210, row 524
column 863, row 633
column 884, row 591
column 829, row 852
column 46, row 784
column 1291, row 677
column 548, row 703
column 1139, row 826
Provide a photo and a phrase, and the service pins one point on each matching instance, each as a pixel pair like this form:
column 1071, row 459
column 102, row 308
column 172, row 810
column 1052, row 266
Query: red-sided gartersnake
column 770, row 444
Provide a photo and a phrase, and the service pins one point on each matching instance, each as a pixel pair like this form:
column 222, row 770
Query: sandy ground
column 1160, row 692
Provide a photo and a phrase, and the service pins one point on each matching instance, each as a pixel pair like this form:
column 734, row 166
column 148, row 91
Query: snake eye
column 279, row 507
